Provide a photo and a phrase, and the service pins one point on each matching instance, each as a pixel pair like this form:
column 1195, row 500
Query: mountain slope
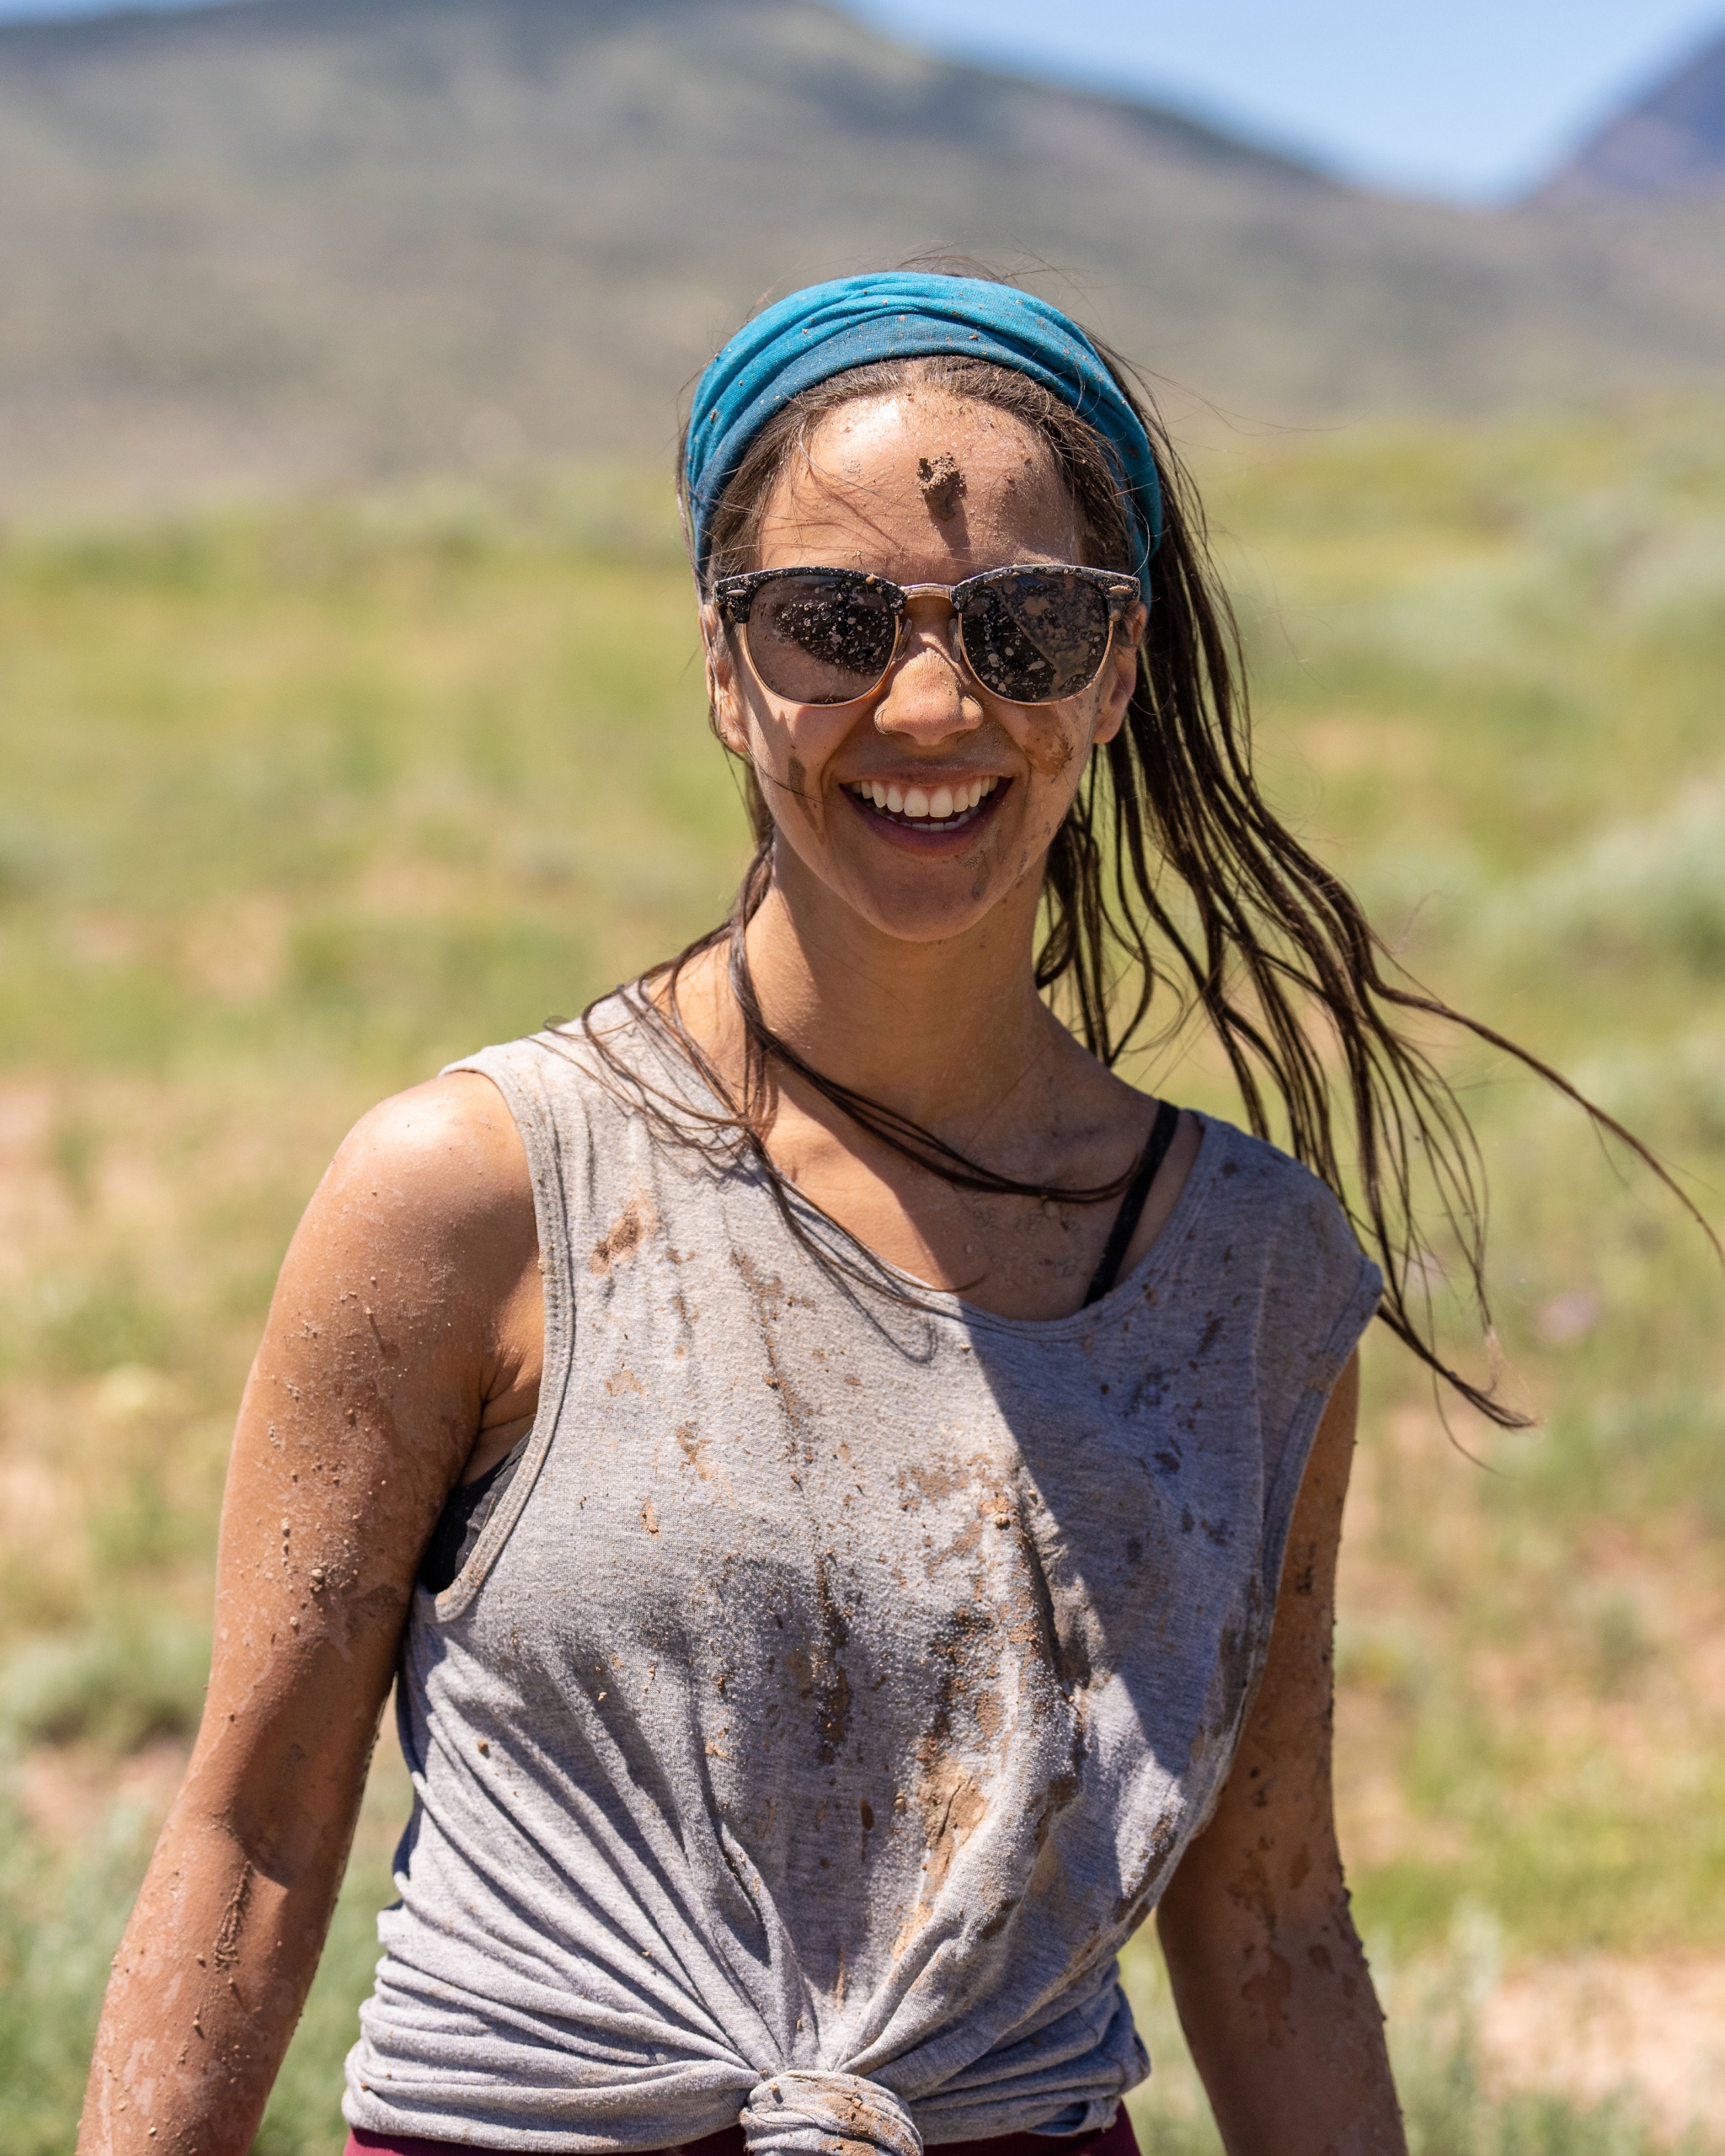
column 1669, row 143
column 298, row 241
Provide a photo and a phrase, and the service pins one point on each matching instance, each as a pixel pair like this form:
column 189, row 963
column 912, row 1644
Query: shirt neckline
column 945, row 1302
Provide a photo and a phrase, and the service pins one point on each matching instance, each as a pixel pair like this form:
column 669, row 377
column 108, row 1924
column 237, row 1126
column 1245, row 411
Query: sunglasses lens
column 1036, row 635
column 821, row 639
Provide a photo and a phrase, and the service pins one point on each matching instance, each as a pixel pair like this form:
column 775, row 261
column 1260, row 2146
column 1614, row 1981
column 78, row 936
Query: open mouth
column 932, row 809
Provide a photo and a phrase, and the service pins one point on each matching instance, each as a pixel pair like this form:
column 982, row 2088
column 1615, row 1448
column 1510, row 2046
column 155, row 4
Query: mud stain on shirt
column 623, row 1237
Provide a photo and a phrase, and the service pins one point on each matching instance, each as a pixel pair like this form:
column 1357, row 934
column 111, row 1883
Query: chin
column 922, row 917
column 904, row 899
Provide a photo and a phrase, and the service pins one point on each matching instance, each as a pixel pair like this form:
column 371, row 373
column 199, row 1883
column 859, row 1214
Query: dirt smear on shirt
column 624, row 1236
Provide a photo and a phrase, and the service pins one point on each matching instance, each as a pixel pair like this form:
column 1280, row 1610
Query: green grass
column 1449, row 2105
column 296, row 805
column 59, row 1923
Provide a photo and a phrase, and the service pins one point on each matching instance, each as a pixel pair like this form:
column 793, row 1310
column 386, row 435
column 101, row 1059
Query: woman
column 848, row 1487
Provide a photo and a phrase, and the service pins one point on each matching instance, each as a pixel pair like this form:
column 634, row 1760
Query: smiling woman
column 847, row 1488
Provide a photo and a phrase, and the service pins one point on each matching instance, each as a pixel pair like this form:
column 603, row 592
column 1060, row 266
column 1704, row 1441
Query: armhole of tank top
column 543, row 1144
column 1283, row 1494
column 1327, row 1366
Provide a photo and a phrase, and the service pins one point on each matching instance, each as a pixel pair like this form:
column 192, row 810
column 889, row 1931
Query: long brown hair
column 1171, row 879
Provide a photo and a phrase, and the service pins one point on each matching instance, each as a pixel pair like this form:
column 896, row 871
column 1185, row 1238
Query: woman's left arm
column 1267, row 1969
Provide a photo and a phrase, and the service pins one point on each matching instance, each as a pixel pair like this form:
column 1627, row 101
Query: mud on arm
column 1267, row 1973
column 396, row 1319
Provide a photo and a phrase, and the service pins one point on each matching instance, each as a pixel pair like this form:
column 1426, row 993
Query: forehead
column 860, row 497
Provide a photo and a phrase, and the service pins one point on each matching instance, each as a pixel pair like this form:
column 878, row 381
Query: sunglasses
column 1032, row 634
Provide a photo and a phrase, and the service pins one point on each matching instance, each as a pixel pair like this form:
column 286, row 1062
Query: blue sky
column 1473, row 99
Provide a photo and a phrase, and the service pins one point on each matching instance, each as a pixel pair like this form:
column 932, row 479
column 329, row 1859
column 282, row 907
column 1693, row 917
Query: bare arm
column 1267, row 1969
column 407, row 1321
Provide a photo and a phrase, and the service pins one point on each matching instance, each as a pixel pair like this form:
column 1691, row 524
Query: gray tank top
column 837, row 1684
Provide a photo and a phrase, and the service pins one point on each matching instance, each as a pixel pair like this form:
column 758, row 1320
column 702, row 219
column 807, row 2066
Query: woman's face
column 921, row 487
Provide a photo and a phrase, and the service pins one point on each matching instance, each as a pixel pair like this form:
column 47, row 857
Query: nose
column 928, row 696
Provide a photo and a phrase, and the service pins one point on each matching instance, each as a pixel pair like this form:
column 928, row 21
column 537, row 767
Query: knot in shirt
column 827, row 2115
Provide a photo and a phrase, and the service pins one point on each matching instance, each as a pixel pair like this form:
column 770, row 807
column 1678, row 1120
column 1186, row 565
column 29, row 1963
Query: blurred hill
column 1670, row 142
column 300, row 241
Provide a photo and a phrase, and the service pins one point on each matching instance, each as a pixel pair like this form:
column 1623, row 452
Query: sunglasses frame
column 734, row 598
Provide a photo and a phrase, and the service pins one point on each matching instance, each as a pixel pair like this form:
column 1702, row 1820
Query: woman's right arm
column 408, row 1310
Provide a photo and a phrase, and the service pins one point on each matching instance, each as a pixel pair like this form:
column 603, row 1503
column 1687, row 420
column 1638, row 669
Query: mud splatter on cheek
column 984, row 865
column 787, row 788
column 1050, row 751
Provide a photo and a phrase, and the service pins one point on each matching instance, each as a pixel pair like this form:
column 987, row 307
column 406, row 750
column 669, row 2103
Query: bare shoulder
column 403, row 1319
column 418, row 1248
column 444, row 1157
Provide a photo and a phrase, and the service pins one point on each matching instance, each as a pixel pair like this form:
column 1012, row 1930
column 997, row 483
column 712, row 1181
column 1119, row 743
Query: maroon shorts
column 1116, row 2140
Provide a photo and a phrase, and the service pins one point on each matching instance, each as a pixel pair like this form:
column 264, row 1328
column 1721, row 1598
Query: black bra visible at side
column 470, row 1505
column 1155, row 1151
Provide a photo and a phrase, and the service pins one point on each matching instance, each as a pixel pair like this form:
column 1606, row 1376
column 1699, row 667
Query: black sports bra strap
column 1155, row 1151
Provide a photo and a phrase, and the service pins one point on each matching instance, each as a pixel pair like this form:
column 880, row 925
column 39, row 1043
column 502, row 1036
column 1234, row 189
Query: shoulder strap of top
column 1155, row 1151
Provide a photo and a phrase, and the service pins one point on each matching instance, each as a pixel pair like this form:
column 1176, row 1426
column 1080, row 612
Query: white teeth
column 939, row 807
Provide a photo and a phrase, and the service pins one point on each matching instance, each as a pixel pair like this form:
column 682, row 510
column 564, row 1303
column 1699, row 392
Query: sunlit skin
column 859, row 502
column 403, row 1348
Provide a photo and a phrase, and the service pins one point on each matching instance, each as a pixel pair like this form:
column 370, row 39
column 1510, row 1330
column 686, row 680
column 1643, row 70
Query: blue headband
column 901, row 315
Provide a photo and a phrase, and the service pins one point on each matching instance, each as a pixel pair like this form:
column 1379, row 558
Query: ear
column 723, row 698
column 1119, row 676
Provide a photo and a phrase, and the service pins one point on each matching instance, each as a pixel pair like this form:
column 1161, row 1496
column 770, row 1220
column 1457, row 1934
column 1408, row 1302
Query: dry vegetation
column 295, row 807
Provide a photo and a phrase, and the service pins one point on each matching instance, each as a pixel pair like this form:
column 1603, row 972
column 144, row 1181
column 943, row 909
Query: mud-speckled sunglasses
column 1031, row 633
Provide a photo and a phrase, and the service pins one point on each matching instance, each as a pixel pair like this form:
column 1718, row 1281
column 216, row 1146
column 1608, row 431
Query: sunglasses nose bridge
column 910, row 703
column 911, row 631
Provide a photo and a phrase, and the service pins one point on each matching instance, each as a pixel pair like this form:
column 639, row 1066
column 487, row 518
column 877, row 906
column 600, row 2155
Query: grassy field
column 295, row 807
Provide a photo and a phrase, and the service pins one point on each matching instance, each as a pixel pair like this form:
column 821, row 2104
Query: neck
column 942, row 1032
